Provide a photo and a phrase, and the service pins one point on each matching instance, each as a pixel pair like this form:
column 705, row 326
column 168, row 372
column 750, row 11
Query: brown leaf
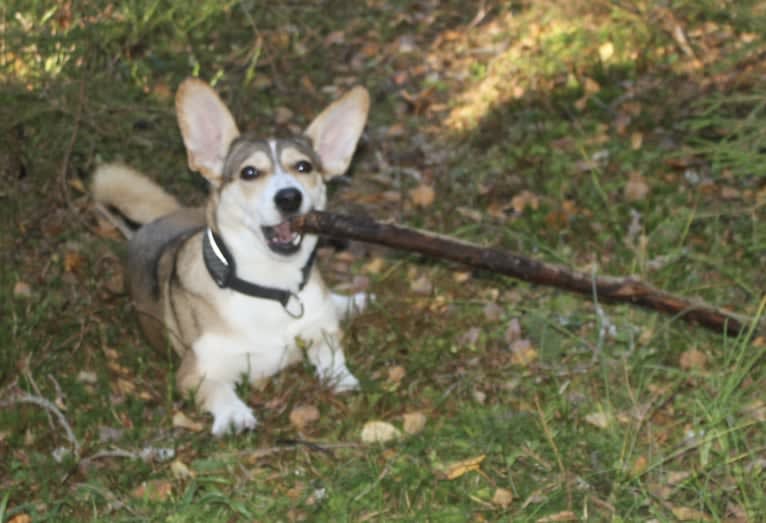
column 565, row 515
column 73, row 261
column 689, row 514
column 460, row 468
column 282, row 115
column 395, row 374
column 693, row 359
column 513, row 331
column 153, row 490
column 379, row 432
column 598, row 419
column 181, row 421
column 493, row 311
column 303, row 415
column 21, row 518
column 422, row 285
column 639, row 466
column 414, row 422
column 636, row 189
column 502, row 497
column 523, row 353
column 423, row 195
column 22, row 290
column 374, row 266
column 523, row 200
column 180, row 470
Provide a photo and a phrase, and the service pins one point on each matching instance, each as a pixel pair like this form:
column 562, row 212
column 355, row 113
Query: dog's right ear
column 207, row 128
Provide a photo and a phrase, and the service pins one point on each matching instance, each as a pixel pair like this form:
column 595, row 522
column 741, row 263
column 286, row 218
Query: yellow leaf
column 689, row 514
column 598, row 419
column 693, row 359
column 414, row 422
column 423, row 195
column 379, row 432
column 606, row 51
column 460, row 468
column 180, row 420
column 566, row 515
column 303, row 415
column 502, row 498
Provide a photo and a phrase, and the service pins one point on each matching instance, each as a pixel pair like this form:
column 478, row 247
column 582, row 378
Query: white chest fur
column 258, row 338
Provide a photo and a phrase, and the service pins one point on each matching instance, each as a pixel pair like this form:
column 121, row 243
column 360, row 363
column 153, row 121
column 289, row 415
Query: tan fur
column 133, row 194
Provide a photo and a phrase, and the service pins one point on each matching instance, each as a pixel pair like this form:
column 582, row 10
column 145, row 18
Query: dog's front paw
column 344, row 382
column 234, row 417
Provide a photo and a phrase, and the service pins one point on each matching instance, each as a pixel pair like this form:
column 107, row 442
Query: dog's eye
column 249, row 173
column 304, row 167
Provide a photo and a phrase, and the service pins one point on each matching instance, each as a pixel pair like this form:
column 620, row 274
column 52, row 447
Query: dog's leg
column 349, row 306
column 216, row 396
column 326, row 354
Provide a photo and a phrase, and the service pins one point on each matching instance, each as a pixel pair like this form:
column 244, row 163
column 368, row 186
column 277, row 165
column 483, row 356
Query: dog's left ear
column 336, row 130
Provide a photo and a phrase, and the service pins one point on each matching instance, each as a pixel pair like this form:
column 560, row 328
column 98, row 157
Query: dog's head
column 262, row 183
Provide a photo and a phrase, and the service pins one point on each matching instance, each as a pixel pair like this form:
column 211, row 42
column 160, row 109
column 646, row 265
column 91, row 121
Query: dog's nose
column 288, row 200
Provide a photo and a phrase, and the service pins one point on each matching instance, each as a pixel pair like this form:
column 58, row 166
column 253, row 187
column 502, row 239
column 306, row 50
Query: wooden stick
column 605, row 288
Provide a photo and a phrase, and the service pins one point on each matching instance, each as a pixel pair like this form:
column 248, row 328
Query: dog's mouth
column 282, row 239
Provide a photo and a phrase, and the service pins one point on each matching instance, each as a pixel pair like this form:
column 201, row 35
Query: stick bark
column 605, row 288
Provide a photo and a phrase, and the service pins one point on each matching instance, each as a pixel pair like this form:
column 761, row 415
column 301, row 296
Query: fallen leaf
column 513, row 331
column 689, row 514
column 414, row 422
column 636, row 141
column 423, row 195
column 730, row 193
column 181, row 421
column 523, row 200
column 180, row 470
column 639, row 466
column 693, row 359
column 22, row 290
column 598, row 419
column 395, row 374
column 522, row 352
column 379, row 432
column 374, row 266
column 303, row 415
column 461, row 277
column 493, row 311
column 125, row 386
column 422, row 285
column 606, row 51
column 282, row 115
column 153, row 490
column 460, row 468
column 21, row 518
column 73, row 261
column 502, row 497
column 470, row 337
column 636, row 189
column 565, row 515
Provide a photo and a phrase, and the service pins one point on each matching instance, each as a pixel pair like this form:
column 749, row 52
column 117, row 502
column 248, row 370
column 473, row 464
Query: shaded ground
column 619, row 138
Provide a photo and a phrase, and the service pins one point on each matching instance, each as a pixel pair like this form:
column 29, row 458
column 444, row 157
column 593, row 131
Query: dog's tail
column 137, row 197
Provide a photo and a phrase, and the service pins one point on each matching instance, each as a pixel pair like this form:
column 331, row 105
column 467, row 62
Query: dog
column 231, row 286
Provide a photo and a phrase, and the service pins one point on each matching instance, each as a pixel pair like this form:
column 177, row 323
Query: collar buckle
column 293, row 306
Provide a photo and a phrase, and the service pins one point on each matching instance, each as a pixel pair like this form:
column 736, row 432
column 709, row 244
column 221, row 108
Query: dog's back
column 153, row 248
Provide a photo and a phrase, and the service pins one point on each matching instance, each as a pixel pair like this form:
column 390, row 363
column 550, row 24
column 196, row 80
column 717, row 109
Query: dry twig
column 605, row 288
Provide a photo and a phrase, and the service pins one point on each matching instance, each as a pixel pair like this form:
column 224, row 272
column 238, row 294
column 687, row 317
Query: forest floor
column 622, row 138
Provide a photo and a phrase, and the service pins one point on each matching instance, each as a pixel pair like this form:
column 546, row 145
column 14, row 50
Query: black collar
column 220, row 264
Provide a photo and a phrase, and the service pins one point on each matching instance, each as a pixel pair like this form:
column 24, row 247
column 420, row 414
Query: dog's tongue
column 283, row 232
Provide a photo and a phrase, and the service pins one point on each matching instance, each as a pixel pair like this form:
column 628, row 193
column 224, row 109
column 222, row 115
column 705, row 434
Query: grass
column 529, row 123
